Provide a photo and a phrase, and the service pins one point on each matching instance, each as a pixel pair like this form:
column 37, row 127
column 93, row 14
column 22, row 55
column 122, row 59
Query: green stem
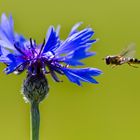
column 35, row 121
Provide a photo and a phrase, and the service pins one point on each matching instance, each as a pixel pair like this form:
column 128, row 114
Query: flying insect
column 126, row 56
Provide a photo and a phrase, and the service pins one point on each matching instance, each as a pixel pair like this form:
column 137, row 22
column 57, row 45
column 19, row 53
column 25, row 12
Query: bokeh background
column 107, row 111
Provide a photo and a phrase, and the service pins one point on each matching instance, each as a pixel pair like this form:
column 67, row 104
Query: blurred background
column 107, row 111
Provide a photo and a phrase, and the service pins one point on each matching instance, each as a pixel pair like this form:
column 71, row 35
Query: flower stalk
column 35, row 121
column 35, row 89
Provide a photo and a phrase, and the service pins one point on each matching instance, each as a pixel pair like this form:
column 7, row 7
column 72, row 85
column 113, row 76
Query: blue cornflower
column 51, row 57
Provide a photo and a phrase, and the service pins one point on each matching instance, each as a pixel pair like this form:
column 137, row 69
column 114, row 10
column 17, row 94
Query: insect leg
column 113, row 66
column 132, row 65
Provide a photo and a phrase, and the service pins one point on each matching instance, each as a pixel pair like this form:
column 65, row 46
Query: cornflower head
column 53, row 56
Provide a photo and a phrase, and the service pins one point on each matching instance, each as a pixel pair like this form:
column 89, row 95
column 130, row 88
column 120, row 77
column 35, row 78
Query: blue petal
column 81, row 75
column 74, row 57
column 76, row 41
column 20, row 38
column 5, row 42
column 7, row 35
column 52, row 40
column 7, row 27
column 14, row 64
column 3, row 55
column 81, row 53
column 57, row 30
column 6, row 32
column 4, row 51
column 73, row 62
column 74, row 29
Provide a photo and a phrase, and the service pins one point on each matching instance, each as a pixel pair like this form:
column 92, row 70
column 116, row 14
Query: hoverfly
column 126, row 56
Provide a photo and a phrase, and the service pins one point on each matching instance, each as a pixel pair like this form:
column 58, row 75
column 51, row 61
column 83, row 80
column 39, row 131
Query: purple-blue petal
column 74, row 57
column 52, row 40
column 74, row 28
column 14, row 64
column 75, row 41
column 7, row 27
column 7, row 35
column 20, row 38
column 3, row 55
column 73, row 62
column 81, row 75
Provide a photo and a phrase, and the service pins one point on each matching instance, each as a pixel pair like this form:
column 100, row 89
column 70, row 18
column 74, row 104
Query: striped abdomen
column 134, row 61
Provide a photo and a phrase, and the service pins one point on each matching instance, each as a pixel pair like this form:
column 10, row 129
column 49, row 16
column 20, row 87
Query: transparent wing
column 129, row 51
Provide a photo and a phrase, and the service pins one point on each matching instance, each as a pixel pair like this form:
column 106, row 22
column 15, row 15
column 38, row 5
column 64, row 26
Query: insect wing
column 129, row 52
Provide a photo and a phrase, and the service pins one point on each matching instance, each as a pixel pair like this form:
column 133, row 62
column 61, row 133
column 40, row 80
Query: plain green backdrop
column 107, row 111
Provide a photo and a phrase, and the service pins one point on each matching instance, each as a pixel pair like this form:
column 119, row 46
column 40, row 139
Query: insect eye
column 108, row 60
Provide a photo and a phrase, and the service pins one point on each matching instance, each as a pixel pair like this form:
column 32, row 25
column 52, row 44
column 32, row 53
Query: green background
column 107, row 111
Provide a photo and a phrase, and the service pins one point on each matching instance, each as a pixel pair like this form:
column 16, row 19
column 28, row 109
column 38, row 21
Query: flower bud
column 35, row 88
